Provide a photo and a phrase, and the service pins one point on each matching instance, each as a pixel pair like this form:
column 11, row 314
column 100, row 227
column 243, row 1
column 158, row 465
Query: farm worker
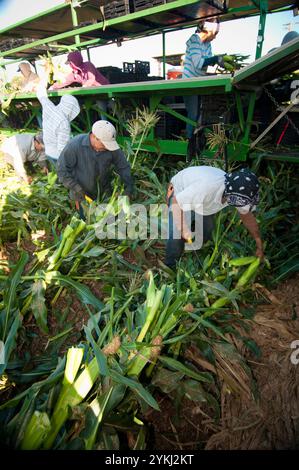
column 85, row 164
column 56, row 122
column 198, row 57
column 196, row 193
column 290, row 36
column 22, row 148
column 30, row 79
column 84, row 73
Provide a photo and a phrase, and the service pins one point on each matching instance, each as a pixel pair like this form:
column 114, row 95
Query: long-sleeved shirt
column 19, row 149
column 81, row 169
column 196, row 52
column 56, row 121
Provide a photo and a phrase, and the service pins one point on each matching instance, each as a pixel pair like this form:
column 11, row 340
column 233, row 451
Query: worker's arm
column 18, row 164
column 251, row 224
column 65, row 166
column 91, row 80
column 69, row 79
column 63, row 136
column 179, row 219
column 123, row 169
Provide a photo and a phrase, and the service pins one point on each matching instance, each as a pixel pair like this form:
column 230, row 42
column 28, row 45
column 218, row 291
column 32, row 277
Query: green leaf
column 136, row 387
column 83, row 292
column 167, row 380
column 93, row 252
column 194, row 391
column 172, row 363
column 101, row 358
column 10, row 292
column 38, row 304
column 10, row 342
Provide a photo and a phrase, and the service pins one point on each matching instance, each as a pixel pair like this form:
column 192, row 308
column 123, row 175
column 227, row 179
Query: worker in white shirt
column 24, row 148
column 56, row 122
column 196, row 194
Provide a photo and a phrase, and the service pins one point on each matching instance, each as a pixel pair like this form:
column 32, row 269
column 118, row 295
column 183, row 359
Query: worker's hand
column 45, row 170
column 220, row 61
column 78, row 196
column 187, row 236
column 28, row 179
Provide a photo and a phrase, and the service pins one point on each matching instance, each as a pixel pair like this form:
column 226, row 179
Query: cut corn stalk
column 36, row 431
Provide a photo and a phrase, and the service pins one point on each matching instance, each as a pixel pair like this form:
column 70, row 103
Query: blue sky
column 235, row 36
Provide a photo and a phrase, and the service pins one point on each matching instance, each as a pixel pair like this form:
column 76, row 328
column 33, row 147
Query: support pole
column 163, row 53
column 75, row 23
column 261, row 31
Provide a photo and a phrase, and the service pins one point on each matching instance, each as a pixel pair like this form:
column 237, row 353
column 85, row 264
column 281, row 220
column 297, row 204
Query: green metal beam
column 75, row 23
column 201, row 85
column 283, row 157
column 261, row 30
column 113, row 22
column 177, row 115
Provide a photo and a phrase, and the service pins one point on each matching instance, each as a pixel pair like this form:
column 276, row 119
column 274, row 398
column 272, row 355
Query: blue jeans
column 175, row 244
column 192, row 104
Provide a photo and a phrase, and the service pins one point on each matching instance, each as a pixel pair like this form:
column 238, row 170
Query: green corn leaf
column 10, row 293
column 136, row 387
column 94, row 416
column 173, row 364
column 10, row 341
column 101, row 358
column 83, row 292
column 94, row 252
column 38, row 304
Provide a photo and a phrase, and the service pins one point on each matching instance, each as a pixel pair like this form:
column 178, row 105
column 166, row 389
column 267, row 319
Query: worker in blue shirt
column 197, row 58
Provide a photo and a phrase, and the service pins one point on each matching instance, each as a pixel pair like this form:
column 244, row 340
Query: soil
column 269, row 421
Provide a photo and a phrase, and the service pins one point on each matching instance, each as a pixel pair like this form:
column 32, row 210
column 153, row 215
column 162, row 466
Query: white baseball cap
column 106, row 133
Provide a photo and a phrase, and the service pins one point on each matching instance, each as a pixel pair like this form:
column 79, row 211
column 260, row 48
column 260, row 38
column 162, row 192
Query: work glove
column 214, row 60
column 77, row 193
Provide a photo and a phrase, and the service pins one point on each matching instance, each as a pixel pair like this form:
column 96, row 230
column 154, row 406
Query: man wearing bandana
column 195, row 194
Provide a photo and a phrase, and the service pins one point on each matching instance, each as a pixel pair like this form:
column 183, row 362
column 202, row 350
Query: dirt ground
column 271, row 421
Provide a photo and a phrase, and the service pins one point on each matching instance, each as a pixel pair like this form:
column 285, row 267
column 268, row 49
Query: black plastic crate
column 142, row 67
column 128, row 67
column 116, row 8
column 143, row 4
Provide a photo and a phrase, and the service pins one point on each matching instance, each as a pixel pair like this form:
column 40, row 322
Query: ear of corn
column 36, row 431
column 248, row 274
column 71, row 395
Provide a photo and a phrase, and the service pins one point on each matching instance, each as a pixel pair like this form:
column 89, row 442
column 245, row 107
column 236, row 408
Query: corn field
column 97, row 332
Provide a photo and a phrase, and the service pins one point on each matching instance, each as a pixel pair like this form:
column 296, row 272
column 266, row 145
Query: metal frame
column 155, row 91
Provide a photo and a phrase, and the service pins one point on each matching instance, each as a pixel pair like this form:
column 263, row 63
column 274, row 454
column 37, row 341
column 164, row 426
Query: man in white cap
column 85, row 164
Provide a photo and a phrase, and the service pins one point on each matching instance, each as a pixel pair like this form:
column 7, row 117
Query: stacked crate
column 117, row 8
column 143, row 4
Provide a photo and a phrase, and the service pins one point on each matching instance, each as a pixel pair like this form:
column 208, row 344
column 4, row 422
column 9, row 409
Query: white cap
column 106, row 133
